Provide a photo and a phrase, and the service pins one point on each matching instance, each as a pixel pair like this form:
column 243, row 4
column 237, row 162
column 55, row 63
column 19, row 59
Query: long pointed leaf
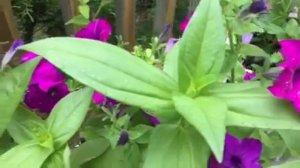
column 67, row 116
column 110, row 70
column 252, row 106
column 27, row 126
column 202, row 47
column 207, row 115
column 12, row 88
column 175, row 147
column 28, row 155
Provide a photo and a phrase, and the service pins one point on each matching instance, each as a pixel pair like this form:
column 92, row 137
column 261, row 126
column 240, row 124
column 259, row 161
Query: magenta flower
column 98, row 29
column 98, row 98
column 46, row 75
column 287, row 85
column 249, row 75
column 184, row 24
column 46, row 87
column 42, row 101
column 244, row 153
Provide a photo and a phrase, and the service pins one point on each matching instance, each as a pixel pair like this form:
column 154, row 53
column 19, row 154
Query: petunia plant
column 197, row 106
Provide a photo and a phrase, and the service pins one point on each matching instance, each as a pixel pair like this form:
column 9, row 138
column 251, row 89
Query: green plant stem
column 98, row 11
column 233, row 50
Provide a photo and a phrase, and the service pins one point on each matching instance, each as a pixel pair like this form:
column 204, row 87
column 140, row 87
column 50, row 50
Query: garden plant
column 223, row 95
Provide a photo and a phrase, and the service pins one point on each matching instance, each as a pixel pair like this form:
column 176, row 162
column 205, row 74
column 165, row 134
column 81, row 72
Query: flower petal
column 290, row 50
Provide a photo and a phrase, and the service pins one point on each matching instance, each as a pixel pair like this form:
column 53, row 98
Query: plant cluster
column 223, row 95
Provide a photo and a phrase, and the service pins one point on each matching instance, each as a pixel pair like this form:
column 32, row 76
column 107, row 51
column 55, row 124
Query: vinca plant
column 105, row 107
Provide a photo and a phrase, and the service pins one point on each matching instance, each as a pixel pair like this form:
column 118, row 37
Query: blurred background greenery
column 43, row 18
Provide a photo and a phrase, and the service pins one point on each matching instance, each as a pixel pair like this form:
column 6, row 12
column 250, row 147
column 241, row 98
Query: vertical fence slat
column 8, row 30
column 69, row 10
column 164, row 15
column 125, row 20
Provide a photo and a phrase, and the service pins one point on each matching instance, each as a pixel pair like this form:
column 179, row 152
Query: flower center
column 236, row 162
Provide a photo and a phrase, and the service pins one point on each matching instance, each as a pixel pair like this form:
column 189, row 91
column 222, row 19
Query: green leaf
column 288, row 164
column 202, row 47
column 112, row 71
column 78, row 20
column 176, row 147
column 84, row 11
column 5, row 143
column 171, row 62
column 29, row 154
column 57, row 159
column 243, row 27
column 252, row 106
column 139, row 131
column 127, row 156
column 67, row 116
column 292, row 29
column 88, row 151
column 291, row 139
column 271, row 28
column 26, row 126
column 207, row 115
column 252, row 50
column 12, row 87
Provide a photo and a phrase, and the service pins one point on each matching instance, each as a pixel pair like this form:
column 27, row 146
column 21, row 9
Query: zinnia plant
column 197, row 111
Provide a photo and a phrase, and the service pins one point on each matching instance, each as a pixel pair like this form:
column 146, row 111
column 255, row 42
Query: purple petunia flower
column 46, row 75
column 170, row 44
column 250, row 75
column 244, row 153
column 98, row 98
column 98, row 29
column 153, row 120
column 287, row 85
column 11, row 52
column 184, row 24
column 258, row 6
column 124, row 138
column 47, row 85
column 36, row 98
column 247, row 38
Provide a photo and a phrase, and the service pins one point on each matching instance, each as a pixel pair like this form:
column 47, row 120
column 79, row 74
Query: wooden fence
column 125, row 19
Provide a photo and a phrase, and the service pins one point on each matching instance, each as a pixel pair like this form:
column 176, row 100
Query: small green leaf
column 292, row 29
column 171, row 62
column 127, row 156
column 29, row 154
column 26, row 126
column 67, row 116
column 84, row 11
column 252, row 106
column 56, row 159
column 12, row 88
column 139, row 131
column 202, row 47
column 243, row 27
column 207, row 115
column 176, row 147
column 291, row 139
column 88, row 151
column 112, row 71
column 288, row 164
column 78, row 20
column 252, row 50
